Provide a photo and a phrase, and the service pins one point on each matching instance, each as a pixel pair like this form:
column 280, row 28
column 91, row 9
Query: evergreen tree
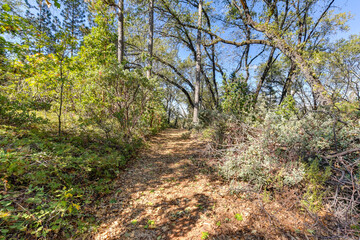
column 45, row 27
column 73, row 15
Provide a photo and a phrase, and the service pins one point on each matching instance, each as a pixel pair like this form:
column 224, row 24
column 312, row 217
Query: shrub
column 315, row 190
column 46, row 183
column 186, row 135
column 285, row 143
column 14, row 112
column 258, row 166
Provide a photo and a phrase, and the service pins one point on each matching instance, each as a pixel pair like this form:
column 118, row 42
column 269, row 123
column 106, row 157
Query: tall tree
column 121, row 37
column 267, row 22
column 198, row 67
column 43, row 23
column 73, row 14
column 151, row 36
column 290, row 51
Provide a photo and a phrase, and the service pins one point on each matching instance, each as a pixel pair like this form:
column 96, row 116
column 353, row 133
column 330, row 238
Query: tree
column 46, row 28
column 121, row 38
column 268, row 25
column 175, row 18
column 151, row 37
column 198, row 68
column 73, row 13
column 342, row 68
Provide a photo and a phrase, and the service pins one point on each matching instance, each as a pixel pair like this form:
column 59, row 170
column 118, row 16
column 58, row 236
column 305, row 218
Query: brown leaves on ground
column 170, row 192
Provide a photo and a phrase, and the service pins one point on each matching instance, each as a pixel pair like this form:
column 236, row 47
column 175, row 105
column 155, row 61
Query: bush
column 315, row 190
column 237, row 98
column 46, row 184
column 316, row 152
column 14, row 112
column 277, row 156
column 124, row 111
column 258, row 166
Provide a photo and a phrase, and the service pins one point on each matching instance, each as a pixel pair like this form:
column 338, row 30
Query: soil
column 172, row 192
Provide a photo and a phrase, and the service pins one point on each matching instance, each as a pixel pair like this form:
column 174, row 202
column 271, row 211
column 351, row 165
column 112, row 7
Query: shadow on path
column 171, row 193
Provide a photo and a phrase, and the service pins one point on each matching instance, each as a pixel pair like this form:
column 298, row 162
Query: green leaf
column 204, row 235
column 56, row 3
column 6, row 7
column 238, row 217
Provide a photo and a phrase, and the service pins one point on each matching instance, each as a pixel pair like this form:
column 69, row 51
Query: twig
column 343, row 153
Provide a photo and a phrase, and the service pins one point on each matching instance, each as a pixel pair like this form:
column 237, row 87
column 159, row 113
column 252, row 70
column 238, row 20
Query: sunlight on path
column 171, row 193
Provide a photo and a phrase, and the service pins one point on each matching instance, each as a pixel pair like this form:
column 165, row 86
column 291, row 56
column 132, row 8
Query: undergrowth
column 46, row 184
column 314, row 152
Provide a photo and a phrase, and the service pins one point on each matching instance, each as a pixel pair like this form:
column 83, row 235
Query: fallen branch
column 343, row 153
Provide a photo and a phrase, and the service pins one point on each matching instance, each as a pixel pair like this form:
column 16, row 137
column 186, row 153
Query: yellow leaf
column 4, row 214
column 77, row 206
column 48, row 3
column 68, row 195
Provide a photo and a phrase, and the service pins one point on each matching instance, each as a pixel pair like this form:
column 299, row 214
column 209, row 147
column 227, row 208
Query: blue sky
column 339, row 6
column 352, row 6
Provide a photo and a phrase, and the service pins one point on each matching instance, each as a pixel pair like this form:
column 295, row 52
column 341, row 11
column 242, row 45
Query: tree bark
column 40, row 21
column 212, row 59
column 151, row 37
column 264, row 75
column 198, row 67
column 61, row 98
column 121, row 41
column 288, row 82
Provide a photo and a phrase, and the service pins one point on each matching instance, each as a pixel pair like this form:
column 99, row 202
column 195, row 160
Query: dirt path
column 170, row 193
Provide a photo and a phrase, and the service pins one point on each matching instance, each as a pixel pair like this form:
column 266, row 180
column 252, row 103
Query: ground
column 170, row 192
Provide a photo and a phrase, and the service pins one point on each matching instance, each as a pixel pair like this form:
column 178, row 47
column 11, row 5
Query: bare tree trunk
column 40, row 21
column 214, row 75
column 151, row 37
column 61, row 99
column 198, row 67
column 121, row 47
column 288, row 82
column 264, row 75
column 213, row 62
column 169, row 116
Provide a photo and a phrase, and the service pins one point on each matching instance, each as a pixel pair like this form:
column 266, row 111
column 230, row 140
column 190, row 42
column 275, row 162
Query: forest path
column 171, row 193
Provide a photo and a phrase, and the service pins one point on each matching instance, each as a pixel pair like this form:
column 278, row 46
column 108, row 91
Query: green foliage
column 309, row 135
column 49, row 180
column 278, row 155
column 14, row 112
column 205, row 235
column 237, row 98
column 315, row 190
column 68, row 73
column 288, row 108
column 238, row 217
column 123, row 104
column 258, row 166
column 47, row 183
column 150, row 224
